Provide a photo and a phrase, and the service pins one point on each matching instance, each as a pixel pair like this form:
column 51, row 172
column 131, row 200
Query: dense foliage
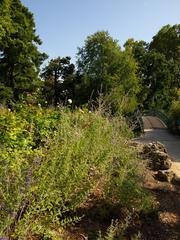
column 53, row 160
column 58, row 78
column 142, row 75
column 106, row 69
column 159, row 67
column 174, row 115
column 20, row 59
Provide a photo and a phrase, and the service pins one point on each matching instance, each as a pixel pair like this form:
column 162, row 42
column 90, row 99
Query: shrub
column 175, row 115
column 52, row 160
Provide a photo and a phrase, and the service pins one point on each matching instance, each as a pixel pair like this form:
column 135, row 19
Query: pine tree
column 20, row 59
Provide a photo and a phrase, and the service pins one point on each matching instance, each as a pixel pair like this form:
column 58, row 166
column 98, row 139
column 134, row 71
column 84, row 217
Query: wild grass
column 51, row 162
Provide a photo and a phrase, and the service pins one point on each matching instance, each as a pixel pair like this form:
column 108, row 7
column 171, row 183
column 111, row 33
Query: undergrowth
column 53, row 160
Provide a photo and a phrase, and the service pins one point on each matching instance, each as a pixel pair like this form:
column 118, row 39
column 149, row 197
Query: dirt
column 163, row 224
column 167, row 224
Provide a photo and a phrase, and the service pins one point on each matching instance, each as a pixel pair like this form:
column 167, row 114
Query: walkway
column 155, row 130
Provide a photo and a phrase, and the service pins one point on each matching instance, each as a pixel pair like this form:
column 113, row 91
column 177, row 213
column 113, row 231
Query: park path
column 155, row 130
column 167, row 227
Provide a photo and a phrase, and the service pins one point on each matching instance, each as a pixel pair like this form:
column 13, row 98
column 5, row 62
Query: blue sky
column 63, row 25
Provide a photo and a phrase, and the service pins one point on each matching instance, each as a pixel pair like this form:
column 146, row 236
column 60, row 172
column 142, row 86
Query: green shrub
column 175, row 115
column 52, row 160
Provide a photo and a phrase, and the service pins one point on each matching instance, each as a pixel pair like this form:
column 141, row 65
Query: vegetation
column 106, row 69
column 59, row 145
column 53, row 160
column 58, row 78
column 174, row 115
column 159, row 67
column 142, row 75
column 20, row 59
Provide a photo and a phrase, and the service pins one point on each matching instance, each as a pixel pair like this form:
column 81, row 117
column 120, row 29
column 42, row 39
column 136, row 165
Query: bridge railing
column 135, row 121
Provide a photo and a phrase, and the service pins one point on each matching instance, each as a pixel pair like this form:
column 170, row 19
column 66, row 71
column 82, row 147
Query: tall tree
column 157, row 74
column 5, row 19
column 105, row 68
column 167, row 42
column 20, row 59
column 58, row 80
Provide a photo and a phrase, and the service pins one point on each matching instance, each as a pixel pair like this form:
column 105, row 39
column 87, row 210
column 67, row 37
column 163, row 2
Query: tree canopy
column 145, row 75
column 58, row 77
column 106, row 69
column 20, row 58
column 159, row 67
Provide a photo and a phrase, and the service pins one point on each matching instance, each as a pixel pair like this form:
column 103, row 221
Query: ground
column 163, row 224
column 167, row 225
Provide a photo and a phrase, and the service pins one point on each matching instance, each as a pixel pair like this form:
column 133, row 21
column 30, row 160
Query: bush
column 175, row 116
column 52, row 160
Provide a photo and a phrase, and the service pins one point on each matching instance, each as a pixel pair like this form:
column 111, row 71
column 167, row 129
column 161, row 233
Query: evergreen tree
column 19, row 59
column 58, row 78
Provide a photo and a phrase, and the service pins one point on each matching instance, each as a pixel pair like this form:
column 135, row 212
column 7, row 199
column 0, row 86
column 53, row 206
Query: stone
column 158, row 156
column 159, row 146
column 176, row 180
column 160, row 161
column 164, row 176
column 153, row 147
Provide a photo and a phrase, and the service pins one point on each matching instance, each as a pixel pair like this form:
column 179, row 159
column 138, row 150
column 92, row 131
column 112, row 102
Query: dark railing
column 135, row 121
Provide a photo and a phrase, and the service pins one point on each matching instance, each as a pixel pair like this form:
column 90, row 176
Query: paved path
column 155, row 130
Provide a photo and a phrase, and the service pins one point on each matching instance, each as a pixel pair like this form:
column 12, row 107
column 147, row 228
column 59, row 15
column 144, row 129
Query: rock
column 164, row 176
column 146, row 149
column 160, row 161
column 159, row 146
column 158, row 156
column 152, row 147
column 133, row 144
column 176, row 180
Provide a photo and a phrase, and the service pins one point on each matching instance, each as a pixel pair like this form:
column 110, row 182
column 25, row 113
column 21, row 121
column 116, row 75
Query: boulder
column 152, row 147
column 158, row 156
column 159, row 146
column 160, row 161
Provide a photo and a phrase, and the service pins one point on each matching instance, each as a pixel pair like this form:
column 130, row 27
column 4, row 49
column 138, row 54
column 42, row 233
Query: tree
column 167, row 42
column 104, row 67
column 5, row 20
column 58, row 80
column 20, row 59
column 157, row 75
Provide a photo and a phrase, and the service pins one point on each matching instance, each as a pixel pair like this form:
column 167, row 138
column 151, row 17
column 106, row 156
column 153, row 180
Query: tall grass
column 52, row 160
